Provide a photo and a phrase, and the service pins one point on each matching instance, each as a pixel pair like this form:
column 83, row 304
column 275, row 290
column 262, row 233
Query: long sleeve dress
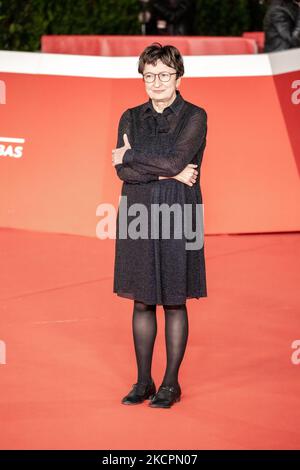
column 160, row 269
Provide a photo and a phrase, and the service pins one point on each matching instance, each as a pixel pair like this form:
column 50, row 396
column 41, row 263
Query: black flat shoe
column 166, row 396
column 139, row 393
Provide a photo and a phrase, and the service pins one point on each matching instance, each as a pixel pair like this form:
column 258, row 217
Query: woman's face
column 159, row 90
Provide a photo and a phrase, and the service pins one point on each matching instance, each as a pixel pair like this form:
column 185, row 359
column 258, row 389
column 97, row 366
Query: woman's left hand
column 117, row 154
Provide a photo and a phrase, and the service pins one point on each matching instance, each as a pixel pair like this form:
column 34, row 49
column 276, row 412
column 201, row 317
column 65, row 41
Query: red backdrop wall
column 250, row 170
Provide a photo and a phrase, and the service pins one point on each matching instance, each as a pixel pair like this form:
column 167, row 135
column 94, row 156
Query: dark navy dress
column 154, row 269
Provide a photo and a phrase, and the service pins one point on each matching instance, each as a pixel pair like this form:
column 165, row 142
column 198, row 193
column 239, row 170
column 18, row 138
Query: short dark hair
column 168, row 54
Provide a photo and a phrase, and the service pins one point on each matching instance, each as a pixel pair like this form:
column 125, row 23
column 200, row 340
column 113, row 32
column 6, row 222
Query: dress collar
column 174, row 107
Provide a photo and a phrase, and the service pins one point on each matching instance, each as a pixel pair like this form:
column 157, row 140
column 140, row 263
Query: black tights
column 144, row 327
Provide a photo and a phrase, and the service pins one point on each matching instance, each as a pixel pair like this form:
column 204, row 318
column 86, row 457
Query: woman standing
column 160, row 146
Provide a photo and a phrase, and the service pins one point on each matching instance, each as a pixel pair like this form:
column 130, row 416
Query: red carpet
column 70, row 356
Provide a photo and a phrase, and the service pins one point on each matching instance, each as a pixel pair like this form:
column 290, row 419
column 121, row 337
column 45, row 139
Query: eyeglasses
column 163, row 76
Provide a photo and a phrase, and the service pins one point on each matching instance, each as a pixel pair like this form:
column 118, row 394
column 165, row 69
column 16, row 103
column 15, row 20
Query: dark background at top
column 22, row 23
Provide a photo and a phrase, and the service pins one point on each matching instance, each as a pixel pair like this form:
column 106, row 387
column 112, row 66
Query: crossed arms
column 142, row 166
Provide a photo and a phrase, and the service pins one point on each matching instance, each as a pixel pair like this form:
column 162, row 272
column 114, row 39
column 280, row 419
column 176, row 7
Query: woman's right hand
column 188, row 175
